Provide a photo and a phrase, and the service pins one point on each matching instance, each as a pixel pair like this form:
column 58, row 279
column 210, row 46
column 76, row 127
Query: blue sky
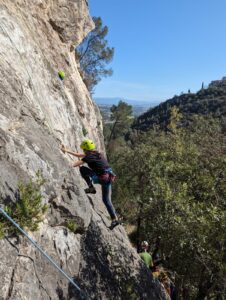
column 162, row 47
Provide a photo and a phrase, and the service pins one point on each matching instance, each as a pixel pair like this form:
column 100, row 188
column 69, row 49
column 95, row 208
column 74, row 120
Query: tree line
column 172, row 183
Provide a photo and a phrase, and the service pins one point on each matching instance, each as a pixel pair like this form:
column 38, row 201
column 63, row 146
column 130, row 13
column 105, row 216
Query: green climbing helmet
column 87, row 145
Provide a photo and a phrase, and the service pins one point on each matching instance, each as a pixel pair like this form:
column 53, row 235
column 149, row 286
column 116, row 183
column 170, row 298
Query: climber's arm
column 78, row 163
column 65, row 150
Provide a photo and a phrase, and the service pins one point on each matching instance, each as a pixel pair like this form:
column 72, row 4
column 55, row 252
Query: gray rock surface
column 38, row 112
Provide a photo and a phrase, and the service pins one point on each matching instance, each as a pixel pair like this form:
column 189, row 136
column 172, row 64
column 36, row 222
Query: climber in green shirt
column 145, row 256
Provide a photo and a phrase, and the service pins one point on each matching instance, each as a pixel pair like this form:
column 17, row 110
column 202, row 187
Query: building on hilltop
column 219, row 83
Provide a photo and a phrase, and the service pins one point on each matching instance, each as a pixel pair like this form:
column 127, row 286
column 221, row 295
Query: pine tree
column 93, row 54
column 122, row 117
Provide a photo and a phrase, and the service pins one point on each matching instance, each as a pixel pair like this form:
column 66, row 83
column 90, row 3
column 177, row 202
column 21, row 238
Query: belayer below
column 145, row 256
column 99, row 172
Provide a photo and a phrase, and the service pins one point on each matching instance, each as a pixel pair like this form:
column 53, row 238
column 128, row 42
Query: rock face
column 38, row 113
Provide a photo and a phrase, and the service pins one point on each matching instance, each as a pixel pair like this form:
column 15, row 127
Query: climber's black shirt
column 96, row 162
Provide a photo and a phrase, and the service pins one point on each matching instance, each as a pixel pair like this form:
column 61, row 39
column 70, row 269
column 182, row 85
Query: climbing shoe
column 90, row 190
column 114, row 224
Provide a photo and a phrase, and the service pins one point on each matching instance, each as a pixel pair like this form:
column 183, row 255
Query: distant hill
column 207, row 101
column 112, row 101
column 139, row 107
column 106, row 110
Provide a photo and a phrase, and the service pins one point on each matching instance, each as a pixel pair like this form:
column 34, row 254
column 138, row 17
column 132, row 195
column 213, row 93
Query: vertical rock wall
column 38, row 112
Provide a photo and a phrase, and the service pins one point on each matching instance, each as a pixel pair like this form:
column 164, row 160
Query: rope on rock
column 82, row 293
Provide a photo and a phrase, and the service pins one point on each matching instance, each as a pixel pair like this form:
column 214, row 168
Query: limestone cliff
column 38, row 112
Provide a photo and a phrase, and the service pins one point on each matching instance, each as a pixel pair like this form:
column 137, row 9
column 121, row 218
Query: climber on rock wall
column 98, row 171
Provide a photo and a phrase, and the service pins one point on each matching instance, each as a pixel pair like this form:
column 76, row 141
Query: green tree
column 174, row 184
column 122, row 118
column 93, row 54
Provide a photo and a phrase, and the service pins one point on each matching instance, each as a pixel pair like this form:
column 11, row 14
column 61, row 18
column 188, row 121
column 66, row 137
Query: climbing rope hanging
column 82, row 293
